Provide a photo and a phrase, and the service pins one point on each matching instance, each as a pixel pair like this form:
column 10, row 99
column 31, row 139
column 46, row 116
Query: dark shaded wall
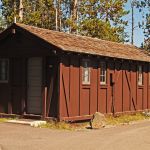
column 18, row 48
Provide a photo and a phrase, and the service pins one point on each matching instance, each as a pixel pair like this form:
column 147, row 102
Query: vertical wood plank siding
column 12, row 95
column 78, row 100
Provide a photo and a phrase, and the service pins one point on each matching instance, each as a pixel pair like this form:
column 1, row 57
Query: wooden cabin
column 69, row 77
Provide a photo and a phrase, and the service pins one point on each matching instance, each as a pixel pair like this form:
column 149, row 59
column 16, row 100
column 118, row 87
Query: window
column 140, row 75
column 103, row 73
column 4, row 65
column 85, row 72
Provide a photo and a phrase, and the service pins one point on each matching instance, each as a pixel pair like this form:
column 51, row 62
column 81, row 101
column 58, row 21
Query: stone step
column 33, row 123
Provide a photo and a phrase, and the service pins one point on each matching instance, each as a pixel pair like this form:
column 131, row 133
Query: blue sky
column 138, row 33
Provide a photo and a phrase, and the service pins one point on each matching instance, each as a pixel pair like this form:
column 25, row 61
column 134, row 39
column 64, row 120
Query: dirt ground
column 128, row 137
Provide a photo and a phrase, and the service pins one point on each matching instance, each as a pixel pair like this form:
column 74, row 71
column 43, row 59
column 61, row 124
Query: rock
column 37, row 123
column 98, row 121
column 147, row 114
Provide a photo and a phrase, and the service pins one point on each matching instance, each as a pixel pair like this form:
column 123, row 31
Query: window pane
column 140, row 75
column 103, row 73
column 85, row 72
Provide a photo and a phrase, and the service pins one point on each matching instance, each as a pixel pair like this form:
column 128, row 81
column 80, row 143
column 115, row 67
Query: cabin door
column 34, row 92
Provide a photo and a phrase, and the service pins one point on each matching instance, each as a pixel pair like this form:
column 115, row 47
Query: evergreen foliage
column 95, row 18
column 146, row 24
column 39, row 13
column 103, row 19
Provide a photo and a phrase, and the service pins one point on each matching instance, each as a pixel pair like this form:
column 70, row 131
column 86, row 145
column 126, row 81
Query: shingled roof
column 82, row 44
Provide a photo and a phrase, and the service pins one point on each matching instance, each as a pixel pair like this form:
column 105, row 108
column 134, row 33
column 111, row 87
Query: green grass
column 119, row 120
column 125, row 119
column 65, row 125
column 3, row 120
column 6, row 119
column 57, row 125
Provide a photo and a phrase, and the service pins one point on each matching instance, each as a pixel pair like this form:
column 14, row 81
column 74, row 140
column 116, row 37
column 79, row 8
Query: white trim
column 89, row 71
column 102, row 63
column 140, row 75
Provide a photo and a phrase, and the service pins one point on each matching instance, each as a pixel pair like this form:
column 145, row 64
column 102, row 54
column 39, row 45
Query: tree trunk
column 132, row 36
column 74, row 13
column 21, row 10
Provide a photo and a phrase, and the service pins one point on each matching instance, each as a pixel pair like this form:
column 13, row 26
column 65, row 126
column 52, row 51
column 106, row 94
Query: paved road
column 128, row 137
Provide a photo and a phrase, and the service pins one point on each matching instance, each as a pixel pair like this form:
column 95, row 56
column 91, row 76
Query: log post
column 44, row 103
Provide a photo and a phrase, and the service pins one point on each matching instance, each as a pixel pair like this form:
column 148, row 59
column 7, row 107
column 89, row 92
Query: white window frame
column 140, row 75
column 86, row 72
column 5, row 71
column 103, row 73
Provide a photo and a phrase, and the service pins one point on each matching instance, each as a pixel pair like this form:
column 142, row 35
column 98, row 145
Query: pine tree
column 96, row 18
column 146, row 22
column 9, row 10
column 147, row 33
column 2, row 24
column 72, row 20
column 39, row 13
column 103, row 19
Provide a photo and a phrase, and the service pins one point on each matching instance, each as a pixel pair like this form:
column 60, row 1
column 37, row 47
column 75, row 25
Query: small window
column 140, row 75
column 85, row 72
column 103, row 73
column 4, row 65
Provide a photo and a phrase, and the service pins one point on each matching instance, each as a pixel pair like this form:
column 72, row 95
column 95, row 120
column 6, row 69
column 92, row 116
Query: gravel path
column 128, row 137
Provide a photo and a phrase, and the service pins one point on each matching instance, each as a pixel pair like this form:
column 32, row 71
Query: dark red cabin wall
column 142, row 90
column 110, row 70
column 77, row 99
column 88, row 93
column 51, row 82
column 125, row 87
column 74, row 86
column 94, row 87
column 118, row 95
column 145, row 76
column 133, row 75
column 148, row 97
column 104, row 95
column 65, row 90
column 148, row 88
